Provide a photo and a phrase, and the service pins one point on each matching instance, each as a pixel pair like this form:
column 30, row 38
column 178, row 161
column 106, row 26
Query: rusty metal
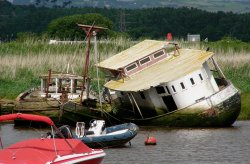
column 89, row 33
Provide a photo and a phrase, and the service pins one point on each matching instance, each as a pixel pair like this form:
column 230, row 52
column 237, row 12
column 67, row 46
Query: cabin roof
column 169, row 69
column 132, row 54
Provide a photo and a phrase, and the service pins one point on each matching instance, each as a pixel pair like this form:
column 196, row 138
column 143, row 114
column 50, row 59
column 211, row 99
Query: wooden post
column 136, row 105
column 218, row 68
column 48, row 83
column 97, row 69
column 131, row 103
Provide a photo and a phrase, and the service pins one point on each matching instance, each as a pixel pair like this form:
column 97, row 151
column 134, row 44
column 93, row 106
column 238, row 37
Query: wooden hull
column 31, row 102
column 225, row 109
column 73, row 113
column 220, row 109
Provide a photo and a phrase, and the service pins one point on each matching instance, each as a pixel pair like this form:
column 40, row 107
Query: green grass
column 239, row 77
column 10, row 88
column 245, row 106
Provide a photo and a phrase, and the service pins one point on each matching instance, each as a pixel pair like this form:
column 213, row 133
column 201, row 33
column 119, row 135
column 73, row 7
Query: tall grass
column 21, row 63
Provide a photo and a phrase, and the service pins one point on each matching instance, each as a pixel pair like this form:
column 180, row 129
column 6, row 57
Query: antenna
column 123, row 22
column 122, row 26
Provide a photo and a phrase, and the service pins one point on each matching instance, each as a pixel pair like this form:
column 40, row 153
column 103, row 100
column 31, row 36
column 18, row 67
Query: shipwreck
column 158, row 83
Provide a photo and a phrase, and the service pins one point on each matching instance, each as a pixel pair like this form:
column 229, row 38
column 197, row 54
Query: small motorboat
column 97, row 136
column 47, row 150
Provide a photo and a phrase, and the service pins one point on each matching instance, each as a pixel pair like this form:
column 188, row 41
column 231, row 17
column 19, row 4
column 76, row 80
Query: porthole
column 173, row 88
column 200, row 76
column 182, row 85
column 167, row 90
column 192, row 81
column 160, row 89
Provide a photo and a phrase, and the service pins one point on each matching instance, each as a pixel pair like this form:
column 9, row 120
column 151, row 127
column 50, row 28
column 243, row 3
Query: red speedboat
column 47, row 150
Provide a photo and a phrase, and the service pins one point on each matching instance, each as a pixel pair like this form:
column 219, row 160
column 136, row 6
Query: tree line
column 152, row 23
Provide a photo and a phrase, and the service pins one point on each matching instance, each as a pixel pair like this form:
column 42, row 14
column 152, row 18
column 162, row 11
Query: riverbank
column 22, row 62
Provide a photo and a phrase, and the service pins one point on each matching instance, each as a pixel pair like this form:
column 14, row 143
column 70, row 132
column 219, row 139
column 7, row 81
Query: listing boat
column 97, row 136
column 58, row 97
column 159, row 83
column 64, row 96
column 47, row 150
column 60, row 86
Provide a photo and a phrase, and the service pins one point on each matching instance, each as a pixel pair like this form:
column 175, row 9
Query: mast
column 90, row 31
column 97, row 69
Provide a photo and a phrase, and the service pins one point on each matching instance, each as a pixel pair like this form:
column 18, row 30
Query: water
column 174, row 145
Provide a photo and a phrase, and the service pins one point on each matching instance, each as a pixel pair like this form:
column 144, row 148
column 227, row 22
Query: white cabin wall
column 192, row 92
column 156, row 99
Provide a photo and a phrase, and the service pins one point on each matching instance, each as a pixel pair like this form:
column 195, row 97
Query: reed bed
column 21, row 63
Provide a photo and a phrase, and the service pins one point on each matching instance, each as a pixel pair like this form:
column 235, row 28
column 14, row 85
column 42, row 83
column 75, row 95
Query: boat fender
column 150, row 141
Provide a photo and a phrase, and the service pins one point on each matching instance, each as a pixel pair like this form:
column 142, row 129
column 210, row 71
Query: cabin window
column 173, row 88
column 200, row 76
column 145, row 60
column 160, row 90
column 131, row 67
column 167, row 90
column 182, row 85
column 142, row 95
column 158, row 54
column 192, row 81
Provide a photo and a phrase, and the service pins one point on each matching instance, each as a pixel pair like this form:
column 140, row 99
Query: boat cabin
column 55, row 84
column 157, row 77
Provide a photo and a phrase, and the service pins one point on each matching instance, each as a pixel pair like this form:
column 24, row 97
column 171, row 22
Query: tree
column 66, row 27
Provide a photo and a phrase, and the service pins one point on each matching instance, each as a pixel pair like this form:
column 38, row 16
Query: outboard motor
column 96, row 126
